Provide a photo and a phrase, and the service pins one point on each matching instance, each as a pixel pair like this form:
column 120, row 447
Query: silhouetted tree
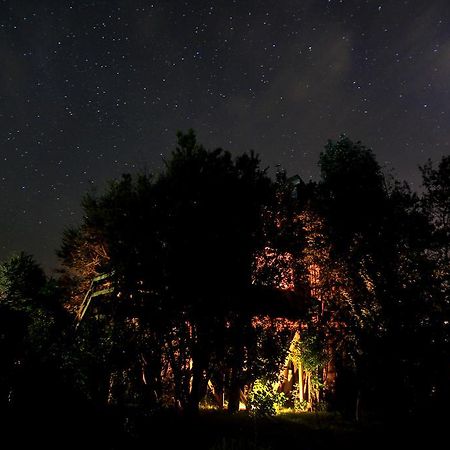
column 436, row 205
column 31, row 327
column 181, row 246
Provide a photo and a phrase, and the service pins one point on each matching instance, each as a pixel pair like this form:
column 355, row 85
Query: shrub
column 263, row 401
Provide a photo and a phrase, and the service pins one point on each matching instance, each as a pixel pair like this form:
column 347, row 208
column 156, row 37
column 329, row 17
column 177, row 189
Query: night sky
column 92, row 89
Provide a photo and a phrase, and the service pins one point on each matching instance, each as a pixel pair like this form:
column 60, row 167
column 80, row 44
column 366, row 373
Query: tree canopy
column 210, row 281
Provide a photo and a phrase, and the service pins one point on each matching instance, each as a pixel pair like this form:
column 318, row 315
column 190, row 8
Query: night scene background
column 224, row 225
column 92, row 89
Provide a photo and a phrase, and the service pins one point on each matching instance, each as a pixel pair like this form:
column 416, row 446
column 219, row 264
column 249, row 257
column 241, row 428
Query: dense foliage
column 201, row 281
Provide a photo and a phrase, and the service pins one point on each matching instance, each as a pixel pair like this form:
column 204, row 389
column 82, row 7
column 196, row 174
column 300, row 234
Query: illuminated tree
column 117, row 237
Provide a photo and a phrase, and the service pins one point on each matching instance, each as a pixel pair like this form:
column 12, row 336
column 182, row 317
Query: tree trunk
column 309, row 390
column 300, row 382
column 235, row 390
column 198, row 384
column 235, row 377
column 358, row 405
column 199, row 379
column 151, row 369
column 194, row 396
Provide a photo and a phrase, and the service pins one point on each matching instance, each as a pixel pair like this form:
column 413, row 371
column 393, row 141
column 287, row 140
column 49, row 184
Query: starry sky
column 92, row 89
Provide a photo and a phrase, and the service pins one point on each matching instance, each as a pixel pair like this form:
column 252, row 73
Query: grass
column 214, row 430
column 218, row 430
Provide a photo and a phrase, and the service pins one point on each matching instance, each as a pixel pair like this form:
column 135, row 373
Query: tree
column 378, row 234
column 21, row 282
column 30, row 330
column 181, row 246
column 122, row 343
column 352, row 191
column 436, row 206
column 214, row 206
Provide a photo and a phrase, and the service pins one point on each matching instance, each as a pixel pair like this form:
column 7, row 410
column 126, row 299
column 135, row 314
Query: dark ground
column 213, row 430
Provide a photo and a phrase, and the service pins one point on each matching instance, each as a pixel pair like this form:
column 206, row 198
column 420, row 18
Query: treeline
column 207, row 270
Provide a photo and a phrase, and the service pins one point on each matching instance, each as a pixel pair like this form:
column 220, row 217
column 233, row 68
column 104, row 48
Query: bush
column 263, row 401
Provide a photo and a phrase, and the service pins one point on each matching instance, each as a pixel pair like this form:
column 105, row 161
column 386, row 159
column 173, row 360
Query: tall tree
column 436, row 206
column 119, row 237
column 379, row 233
column 182, row 247
column 214, row 211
